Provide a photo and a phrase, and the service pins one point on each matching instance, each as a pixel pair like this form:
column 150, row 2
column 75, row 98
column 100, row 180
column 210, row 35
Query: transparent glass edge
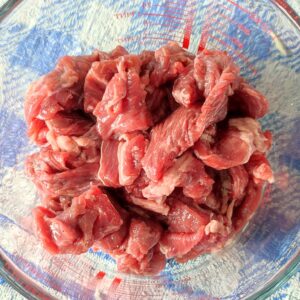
column 286, row 13
column 11, row 280
column 275, row 283
column 290, row 270
column 13, row 275
column 7, row 7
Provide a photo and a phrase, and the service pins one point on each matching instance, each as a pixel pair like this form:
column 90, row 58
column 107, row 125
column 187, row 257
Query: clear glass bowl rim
column 269, row 288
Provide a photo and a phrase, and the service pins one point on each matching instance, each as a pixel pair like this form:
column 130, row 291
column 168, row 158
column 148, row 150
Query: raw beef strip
column 208, row 67
column 123, row 108
column 186, row 229
column 212, row 75
column 230, row 149
column 216, row 233
column 188, row 173
column 240, row 179
column 136, row 188
column 247, row 101
column 134, row 249
column 233, row 147
column 62, row 143
column 99, row 75
column 186, row 218
column 174, row 244
column 131, row 150
column 120, row 162
column 42, row 228
column 143, row 235
column 147, row 59
column 71, row 182
column 74, row 124
column 109, row 219
column 245, row 211
column 171, row 138
column 60, row 174
column 50, row 161
column 199, row 72
column 91, row 216
column 220, row 195
column 185, row 90
column 147, row 66
column 261, row 140
column 109, row 171
column 89, row 144
column 59, row 90
column 259, row 168
column 133, row 194
column 209, row 243
column 185, row 126
column 56, row 204
column 157, row 104
column 117, row 52
column 228, row 190
column 86, row 146
column 171, row 60
column 141, row 255
column 158, row 206
column 37, row 131
column 151, row 264
column 214, row 108
column 114, row 243
column 129, row 62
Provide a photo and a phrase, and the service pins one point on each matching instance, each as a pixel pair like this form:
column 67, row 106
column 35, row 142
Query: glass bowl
column 264, row 39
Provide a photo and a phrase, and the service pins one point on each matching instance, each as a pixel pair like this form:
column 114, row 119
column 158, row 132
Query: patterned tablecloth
column 290, row 290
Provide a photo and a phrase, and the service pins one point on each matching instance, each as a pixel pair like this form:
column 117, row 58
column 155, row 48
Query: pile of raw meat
column 145, row 157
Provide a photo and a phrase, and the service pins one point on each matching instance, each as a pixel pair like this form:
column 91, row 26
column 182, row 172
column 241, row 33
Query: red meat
column 185, row 90
column 108, row 172
column 59, row 90
column 234, row 146
column 151, row 264
column 259, row 168
column 172, row 139
column 157, row 104
column 250, row 204
column 74, row 124
column 90, row 217
column 131, row 150
column 123, row 108
column 143, row 236
column 174, row 244
column 188, row 173
column 170, row 61
column 158, row 206
column 60, row 173
column 98, row 77
column 185, row 126
column 247, row 101
column 186, row 218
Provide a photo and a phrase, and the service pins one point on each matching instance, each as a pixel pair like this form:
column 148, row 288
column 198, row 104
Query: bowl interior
column 263, row 42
